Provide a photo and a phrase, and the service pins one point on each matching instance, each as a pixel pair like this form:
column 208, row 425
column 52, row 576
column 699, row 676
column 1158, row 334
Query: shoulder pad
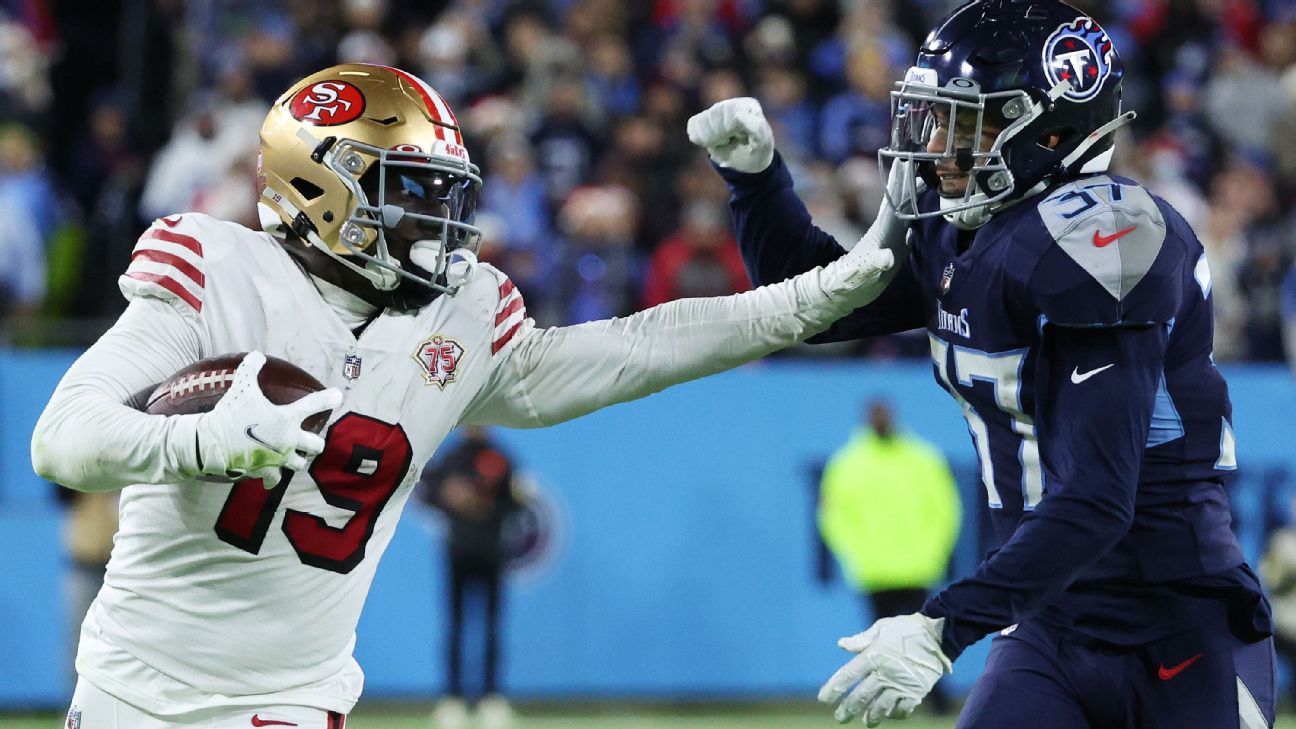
column 168, row 263
column 509, row 309
column 1110, row 262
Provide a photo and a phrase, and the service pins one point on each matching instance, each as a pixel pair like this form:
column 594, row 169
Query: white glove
column 246, row 436
column 899, row 661
column 734, row 132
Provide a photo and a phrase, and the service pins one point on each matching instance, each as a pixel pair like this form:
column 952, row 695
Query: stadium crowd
column 112, row 114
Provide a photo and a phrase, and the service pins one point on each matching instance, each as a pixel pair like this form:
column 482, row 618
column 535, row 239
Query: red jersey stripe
column 506, row 288
column 169, row 284
column 170, row 237
column 171, row 259
column 508, row 311
column 498, row 344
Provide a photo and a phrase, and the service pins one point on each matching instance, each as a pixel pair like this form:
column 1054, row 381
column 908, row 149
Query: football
column 198, row 387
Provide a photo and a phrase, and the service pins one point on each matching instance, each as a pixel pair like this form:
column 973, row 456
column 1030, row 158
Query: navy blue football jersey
column 1074, row 330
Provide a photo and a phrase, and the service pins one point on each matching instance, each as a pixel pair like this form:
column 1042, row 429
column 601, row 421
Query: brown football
column 198, row 387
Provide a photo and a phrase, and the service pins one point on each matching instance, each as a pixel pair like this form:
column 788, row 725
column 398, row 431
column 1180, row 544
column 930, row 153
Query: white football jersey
column 235, row 590
column 231, row 595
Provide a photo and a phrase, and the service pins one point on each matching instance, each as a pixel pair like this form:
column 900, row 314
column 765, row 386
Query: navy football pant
column 1207, row 679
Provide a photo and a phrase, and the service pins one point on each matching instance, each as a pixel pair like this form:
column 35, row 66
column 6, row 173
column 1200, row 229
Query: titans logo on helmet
column 1079, row 52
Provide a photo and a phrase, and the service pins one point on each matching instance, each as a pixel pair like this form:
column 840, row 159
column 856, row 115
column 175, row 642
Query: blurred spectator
column 565, row 145
column 1278, row 568
column 701, row 259
column 472, row 485
column 597, row 274
column 783, row 95
column 458, row 57
column 1289, row 317
column 363, row 41
column 889, row 510
column 193, row 160
column 30, row 211
column 516, row 196
column 858, row 120
column 1244, row 100
column 1224, row 236
column 610, row 76
column 88, row 530
column 24, row 73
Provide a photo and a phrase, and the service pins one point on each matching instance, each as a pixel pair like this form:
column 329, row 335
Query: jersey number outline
column 363, row 462
column 1003, row 372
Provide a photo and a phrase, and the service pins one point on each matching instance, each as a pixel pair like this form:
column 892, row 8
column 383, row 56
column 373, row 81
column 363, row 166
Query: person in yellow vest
column 889, row 511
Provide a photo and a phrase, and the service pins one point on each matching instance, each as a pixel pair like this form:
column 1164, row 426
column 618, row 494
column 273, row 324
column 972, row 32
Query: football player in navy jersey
column 1069, row 316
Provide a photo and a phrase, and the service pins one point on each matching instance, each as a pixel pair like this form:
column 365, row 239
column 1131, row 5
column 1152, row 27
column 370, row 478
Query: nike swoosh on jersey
column 253, row 436
column 1077, row 376
column 1102, row 241
column 1165, row 674
column 258, row 721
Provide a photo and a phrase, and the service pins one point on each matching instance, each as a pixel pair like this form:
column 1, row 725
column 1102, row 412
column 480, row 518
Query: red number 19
column 363, row 463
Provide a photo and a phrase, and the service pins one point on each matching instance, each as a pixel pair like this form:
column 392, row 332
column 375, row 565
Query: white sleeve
column 552, row 375
column 90, row 437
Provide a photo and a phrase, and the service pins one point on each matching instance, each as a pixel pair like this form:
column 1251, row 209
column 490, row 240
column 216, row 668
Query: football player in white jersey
column 247, row 545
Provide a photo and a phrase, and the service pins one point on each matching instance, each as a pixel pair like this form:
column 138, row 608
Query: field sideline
column 550, row 716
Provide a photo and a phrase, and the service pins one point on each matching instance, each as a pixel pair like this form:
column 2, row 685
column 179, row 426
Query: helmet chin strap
column 977, row 216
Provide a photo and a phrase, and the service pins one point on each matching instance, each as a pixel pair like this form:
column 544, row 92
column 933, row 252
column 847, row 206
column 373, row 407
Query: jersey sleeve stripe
column 499, row 343
column 168, row 283
column 173, row 237
column 506, row 288
column 513, row 305
column 170, row 259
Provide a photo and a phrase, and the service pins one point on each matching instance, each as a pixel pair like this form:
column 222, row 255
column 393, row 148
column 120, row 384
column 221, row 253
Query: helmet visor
column 410, row 197
column 954, row 137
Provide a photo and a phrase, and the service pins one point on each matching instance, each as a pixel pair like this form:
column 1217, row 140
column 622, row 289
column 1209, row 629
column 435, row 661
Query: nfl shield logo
column 351, row 367
column 74, row 718
column 947, row 278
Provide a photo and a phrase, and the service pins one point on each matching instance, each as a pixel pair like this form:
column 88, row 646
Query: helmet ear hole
column 1055, row 138
column 309, row 190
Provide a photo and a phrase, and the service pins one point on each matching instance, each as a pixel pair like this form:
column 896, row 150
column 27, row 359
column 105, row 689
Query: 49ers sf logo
column 438, row 356
column 328, row 103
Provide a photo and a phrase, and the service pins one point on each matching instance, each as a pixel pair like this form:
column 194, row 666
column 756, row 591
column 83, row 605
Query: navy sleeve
column 778, row 241
column 1095, row 396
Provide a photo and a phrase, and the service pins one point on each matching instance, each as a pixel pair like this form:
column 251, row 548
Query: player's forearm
column 1049, row 550
column 89, row 438
column 92, row 444
column 571, row 371
column 775, row 233
column 778, row 240
column 1094, row 441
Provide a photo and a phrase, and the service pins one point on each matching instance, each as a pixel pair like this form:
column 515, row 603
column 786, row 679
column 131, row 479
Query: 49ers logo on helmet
column 327, row 103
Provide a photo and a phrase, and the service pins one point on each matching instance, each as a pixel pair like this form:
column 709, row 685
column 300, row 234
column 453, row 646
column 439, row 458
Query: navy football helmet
column 1040, row 72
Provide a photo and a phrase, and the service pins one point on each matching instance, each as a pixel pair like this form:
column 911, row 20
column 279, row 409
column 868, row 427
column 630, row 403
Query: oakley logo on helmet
column 412, row 148
column 328, row 103
column 1079, row 52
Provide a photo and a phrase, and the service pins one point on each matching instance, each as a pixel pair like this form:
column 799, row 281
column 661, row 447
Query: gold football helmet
column 344, row 148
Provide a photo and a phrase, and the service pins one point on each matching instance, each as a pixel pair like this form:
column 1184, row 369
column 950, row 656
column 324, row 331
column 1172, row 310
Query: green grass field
column 549, row 716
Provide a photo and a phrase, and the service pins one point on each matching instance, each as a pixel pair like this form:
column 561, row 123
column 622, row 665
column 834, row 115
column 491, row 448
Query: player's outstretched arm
column 553, row 375
column 776, row 235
